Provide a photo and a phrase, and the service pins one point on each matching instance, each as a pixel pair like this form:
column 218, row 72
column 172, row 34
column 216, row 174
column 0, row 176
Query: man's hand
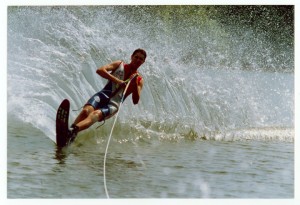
column 133, row 75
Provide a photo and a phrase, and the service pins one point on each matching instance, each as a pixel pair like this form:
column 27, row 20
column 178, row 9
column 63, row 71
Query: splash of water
column 198, row 84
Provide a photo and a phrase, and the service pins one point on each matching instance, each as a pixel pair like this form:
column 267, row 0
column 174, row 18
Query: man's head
column 139, row 50
column 138, row 57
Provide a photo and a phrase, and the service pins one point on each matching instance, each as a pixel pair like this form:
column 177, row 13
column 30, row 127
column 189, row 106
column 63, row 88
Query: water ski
column 62, row 123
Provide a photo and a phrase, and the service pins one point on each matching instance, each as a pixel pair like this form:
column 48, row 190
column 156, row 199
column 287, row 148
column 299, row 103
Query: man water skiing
column 106, row 102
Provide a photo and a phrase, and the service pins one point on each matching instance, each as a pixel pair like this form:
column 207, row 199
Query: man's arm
column 137, row 93
column 104, row 72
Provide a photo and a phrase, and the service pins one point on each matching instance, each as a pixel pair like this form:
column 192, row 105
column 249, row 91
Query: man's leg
column 82, row 121
column 84, row 124
column 93, row 117
column 87, row 109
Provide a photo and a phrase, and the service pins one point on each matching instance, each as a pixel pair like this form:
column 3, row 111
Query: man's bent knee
column 96, row 116
column 88, row 109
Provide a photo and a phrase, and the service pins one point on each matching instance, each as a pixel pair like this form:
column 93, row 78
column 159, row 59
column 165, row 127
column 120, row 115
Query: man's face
column 137, row 59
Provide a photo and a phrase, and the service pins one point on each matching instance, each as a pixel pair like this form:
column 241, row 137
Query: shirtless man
column 106, row 102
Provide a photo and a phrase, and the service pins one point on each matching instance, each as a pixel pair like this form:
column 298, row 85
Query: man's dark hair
column 142, row 51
